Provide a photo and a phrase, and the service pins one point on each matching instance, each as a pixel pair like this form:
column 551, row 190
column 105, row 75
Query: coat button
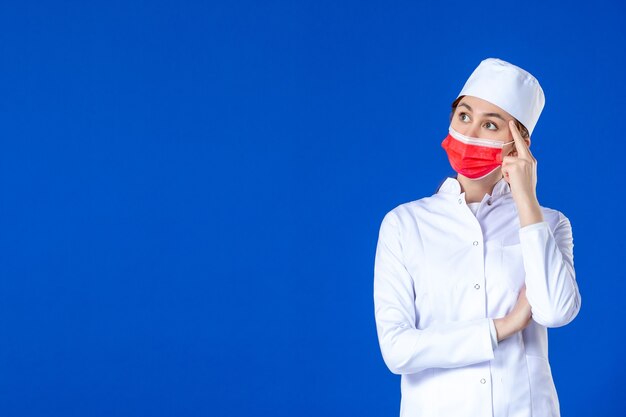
column 483, row 380
column 489, row 202
column 460, row 201
column 475, row 243
column 477, row 286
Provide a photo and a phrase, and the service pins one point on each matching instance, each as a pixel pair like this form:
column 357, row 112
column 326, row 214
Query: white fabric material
column 473, row 207
column 509, row 87
column 468, row 140
column 492, row 328
column 442, row 275
column 494, row 334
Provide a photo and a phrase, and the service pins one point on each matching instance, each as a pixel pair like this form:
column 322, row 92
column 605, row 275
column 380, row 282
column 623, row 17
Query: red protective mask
column 474, row 158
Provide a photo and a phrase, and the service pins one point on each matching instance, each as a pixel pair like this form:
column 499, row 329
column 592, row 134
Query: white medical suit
column 442, row 274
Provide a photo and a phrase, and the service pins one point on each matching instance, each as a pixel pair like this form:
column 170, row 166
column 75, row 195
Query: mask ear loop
column 503, row 145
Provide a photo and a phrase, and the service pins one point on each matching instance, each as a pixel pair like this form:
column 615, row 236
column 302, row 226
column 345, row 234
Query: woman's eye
column 491, row 126
column 464, row 117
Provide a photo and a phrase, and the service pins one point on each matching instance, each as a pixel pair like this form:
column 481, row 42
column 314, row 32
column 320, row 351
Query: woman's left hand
column 520, row 171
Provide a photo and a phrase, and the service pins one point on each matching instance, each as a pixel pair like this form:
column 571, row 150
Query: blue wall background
column 191, row 194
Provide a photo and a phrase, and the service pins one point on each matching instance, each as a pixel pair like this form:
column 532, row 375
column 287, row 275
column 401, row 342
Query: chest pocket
column 504, row 266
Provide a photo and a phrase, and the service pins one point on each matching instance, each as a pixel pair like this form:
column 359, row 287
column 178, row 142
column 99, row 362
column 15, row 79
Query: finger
column 520, row 143
column 509, row 159
column 505, row 173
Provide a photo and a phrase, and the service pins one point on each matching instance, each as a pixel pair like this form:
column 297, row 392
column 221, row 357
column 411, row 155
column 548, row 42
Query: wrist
column 526, row 201
column 529, row 211
column 502, row 328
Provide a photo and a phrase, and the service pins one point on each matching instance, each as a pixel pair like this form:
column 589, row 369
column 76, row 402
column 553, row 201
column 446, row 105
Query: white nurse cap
column 509, row 87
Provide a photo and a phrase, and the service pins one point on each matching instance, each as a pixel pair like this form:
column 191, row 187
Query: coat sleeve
column 551, row 286
column 405, row 348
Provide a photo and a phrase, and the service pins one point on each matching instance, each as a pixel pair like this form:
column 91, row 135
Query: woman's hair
column 522, row 129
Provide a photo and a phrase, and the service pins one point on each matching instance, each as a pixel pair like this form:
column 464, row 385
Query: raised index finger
column 520, row 143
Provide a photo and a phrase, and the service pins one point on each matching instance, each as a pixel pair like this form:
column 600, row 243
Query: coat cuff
column 534, row 226
column 494, row 334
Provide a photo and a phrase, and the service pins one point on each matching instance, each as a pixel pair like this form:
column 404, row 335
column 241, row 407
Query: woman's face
column 479, row 118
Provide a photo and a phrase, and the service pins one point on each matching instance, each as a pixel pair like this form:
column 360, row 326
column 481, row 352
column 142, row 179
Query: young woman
column 467, row 281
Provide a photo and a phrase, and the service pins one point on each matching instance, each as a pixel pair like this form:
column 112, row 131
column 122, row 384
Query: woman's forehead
column 478, row 106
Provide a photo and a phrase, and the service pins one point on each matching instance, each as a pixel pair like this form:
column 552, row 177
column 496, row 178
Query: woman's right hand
column 516, row 320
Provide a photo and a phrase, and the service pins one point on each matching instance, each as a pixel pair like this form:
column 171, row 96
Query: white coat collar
column 453, row 186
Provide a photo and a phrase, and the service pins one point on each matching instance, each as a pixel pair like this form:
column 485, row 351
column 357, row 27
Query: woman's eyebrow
column 496, row 115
